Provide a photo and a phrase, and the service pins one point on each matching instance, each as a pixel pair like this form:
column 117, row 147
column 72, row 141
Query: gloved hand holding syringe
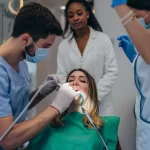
column 63, row 99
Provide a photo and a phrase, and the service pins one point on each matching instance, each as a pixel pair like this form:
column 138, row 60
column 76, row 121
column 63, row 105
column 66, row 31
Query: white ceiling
column 49, row 3
column 45, row 2
column 53, row 2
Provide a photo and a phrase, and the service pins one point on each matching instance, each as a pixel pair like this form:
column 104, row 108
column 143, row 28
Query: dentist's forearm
column 28, row 129
column 139, row 35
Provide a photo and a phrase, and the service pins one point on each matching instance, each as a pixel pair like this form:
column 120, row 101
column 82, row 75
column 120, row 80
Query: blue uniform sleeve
column 5, row 109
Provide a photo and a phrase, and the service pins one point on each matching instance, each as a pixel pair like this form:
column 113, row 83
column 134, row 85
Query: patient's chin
column 77, row 100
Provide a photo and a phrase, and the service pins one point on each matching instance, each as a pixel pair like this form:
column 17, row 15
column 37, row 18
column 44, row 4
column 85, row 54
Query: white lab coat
column 142, row 106
column 98, row 59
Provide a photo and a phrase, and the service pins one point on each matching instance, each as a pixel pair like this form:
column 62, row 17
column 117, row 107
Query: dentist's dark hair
column 139, row 4
column 92, row 21
column 36, row 20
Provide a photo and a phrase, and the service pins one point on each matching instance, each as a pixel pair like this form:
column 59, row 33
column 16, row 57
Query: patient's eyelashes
column 70, row 80
column 82, row 81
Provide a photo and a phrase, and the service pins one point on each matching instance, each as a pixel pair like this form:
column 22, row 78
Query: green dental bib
column 75, row 136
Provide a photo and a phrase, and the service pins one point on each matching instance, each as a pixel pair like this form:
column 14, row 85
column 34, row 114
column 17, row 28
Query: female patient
column 71, row 130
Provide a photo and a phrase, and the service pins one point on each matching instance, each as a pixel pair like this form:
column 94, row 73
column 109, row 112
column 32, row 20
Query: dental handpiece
column 91, row 121
column 93, row 125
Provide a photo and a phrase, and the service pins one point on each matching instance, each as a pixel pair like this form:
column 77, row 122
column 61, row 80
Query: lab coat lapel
column 90, row 43
column 74, row 47
column 89, row 46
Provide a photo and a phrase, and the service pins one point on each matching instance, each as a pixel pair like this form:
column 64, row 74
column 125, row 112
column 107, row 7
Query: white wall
column 7, row 22
column 124, row 89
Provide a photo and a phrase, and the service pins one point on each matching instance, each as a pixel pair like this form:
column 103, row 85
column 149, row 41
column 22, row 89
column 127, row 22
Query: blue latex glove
column 118, row 2
column 127, row 47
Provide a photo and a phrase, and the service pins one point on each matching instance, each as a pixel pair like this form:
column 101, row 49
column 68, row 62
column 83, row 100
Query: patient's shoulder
column 111, row 119
column 111, row 125
column 111, row 122
column 109, row 131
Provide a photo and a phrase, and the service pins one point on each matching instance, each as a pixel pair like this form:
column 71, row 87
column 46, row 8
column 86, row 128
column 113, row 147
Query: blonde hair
column 92, row 100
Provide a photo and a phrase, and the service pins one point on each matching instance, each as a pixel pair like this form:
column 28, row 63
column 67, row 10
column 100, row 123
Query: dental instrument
column 90, row 120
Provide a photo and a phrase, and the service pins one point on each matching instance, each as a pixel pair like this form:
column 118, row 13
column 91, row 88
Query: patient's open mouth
column 75, row 89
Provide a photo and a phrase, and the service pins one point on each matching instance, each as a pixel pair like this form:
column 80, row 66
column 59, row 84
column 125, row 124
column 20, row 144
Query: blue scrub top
column 14, row 90
column 142, row 106
column 142, row 81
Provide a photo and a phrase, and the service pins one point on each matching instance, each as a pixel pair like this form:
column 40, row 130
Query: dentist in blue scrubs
column 35, row 30
column 141, row 63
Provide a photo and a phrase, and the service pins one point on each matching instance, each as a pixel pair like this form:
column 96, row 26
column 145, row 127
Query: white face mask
column 40, row 54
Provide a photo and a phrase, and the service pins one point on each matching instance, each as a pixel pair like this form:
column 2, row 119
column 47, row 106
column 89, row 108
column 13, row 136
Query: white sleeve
column 61, row 71
column 105, row 84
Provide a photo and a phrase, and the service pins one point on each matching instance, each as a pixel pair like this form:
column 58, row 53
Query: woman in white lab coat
column 86, row 47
